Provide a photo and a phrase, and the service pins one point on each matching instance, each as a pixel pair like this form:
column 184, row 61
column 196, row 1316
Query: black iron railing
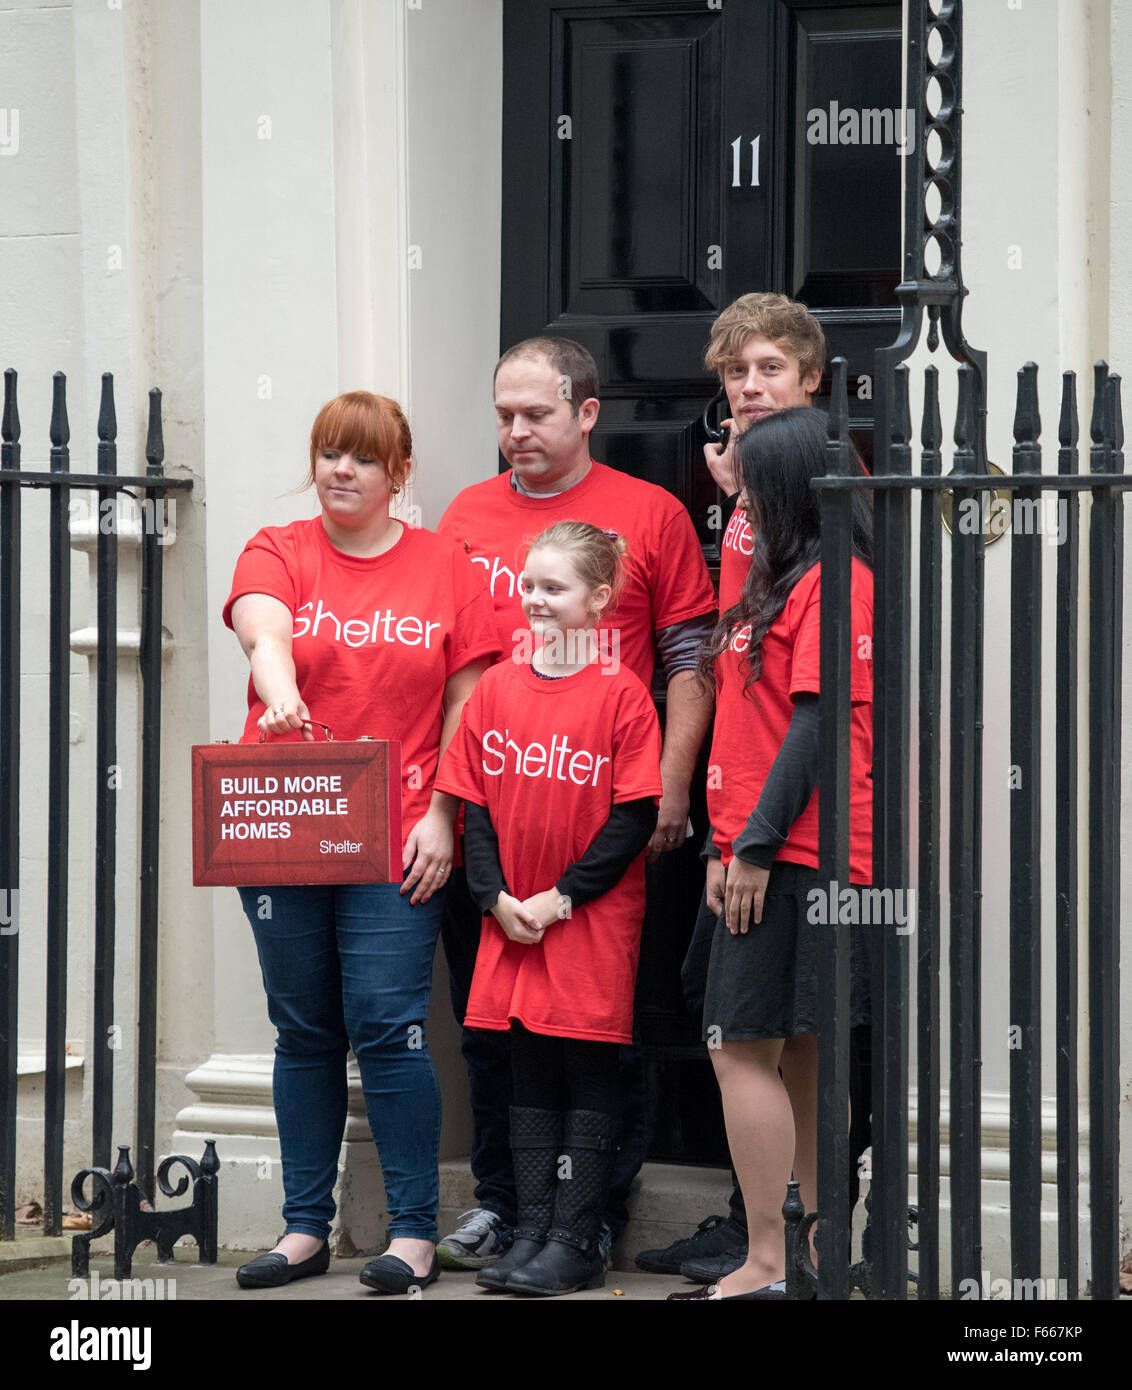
column 885, row 1270
column 934, row 290
column 151, row 491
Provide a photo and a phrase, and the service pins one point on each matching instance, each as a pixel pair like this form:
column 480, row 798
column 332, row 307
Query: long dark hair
column 777, row 457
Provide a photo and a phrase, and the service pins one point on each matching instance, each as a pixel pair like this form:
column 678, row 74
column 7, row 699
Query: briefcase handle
column 312, row 722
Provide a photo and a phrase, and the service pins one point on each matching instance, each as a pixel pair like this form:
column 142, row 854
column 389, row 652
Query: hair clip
column 613, row 535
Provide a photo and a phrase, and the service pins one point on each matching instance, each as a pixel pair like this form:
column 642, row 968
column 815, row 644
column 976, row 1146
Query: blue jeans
column 350, row 965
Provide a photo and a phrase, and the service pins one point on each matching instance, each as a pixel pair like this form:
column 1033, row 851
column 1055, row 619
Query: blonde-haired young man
column 769, row 352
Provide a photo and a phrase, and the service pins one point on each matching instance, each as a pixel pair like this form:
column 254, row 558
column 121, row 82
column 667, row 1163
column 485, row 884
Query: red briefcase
column 297, row 813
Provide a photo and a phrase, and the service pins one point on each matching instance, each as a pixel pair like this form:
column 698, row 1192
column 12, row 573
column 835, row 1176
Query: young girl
column 558, row 760
column 760, row 1011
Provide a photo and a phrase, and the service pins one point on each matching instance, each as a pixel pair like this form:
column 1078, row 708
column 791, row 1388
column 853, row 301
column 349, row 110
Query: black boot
column 536, row 1141
column 570, row 1259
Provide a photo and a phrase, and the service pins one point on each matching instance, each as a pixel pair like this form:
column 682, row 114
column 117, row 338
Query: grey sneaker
column 478, row 1241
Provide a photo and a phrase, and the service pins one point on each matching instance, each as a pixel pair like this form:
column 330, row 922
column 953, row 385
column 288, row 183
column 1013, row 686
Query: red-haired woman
column 373, row 627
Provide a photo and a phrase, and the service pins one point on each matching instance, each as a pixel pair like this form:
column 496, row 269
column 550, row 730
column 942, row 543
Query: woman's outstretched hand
column 428, row 855
column 743, row 895
column 285, row 716
column 518, row 922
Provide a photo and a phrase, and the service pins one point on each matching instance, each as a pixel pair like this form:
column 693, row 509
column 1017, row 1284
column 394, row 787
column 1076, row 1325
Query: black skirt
column 764, row 984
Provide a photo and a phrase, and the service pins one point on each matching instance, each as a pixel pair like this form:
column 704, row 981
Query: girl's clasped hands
column 526, row 921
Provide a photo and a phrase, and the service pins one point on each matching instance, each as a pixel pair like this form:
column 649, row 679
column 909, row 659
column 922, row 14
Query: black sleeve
column 619, row 841
column 481, row 857
column 786, row 793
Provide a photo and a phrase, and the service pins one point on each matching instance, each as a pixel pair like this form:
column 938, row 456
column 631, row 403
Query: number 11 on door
column 737, row 162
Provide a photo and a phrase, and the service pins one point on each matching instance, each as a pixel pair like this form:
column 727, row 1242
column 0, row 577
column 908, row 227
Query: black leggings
column 564, row 1073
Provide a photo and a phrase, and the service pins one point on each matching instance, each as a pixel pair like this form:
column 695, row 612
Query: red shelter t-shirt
column 666, row 579
column 548, row 759
column 734, row 559
column 750, row 727
column 375, row 640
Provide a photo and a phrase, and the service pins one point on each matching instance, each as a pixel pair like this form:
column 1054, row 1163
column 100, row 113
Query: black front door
column 660, row 158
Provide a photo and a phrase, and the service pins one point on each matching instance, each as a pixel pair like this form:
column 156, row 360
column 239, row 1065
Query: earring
column 396, row 488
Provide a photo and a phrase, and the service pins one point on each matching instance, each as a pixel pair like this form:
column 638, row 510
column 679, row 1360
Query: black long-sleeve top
column 786, row 792
column 616, row 845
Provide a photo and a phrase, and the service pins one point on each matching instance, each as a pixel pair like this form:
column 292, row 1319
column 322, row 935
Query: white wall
column 1115, row 233
column 1037, row 140
column 270, row 345
column 454, row 132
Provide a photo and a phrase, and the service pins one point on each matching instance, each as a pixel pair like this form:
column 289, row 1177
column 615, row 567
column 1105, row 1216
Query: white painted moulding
column 84, row 531
column 35, row 1063
column 84, row 641
column 234, row 1097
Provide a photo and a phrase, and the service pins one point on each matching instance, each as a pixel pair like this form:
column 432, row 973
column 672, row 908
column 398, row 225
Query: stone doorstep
column 668, row 1201
column 185, row 1282
column 32, row 1250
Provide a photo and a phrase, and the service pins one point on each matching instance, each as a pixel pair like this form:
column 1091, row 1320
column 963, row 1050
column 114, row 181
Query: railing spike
column 123, row 1169
column 10, row 431
column 931, row 426
column 60, row 425
column 964, row 409
column 1068, row 427
column 902, row 415
column 1115, row 414
column 1096, row 422
column 838, row 397
column 107, row 418
column 209, row 1163
column 837, row 436
column 155, row 439
column 1027, row 421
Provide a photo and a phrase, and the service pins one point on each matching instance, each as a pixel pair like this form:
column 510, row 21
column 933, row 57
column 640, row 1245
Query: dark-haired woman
column 376, row 628
column 760, row 1015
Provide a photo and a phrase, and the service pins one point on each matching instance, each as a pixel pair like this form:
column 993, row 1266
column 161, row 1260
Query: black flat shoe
column 271, row 1271
column 710, row 1294
column 389, row 1274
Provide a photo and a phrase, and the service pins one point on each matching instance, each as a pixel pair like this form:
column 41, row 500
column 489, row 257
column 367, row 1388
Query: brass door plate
column 995, row 505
